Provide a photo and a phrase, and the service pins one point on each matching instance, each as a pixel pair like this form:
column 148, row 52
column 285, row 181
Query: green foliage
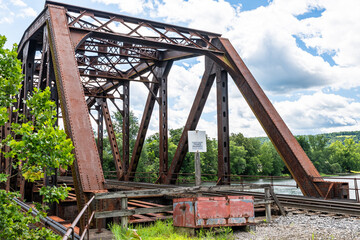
column 3, row 177
column 54, row 194
column 249, row 156
column 123, row 234
column 14, row 224
column 10, row 78
column 42, row 147
column 165, row 230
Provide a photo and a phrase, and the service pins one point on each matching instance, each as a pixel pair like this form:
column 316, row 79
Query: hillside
column 332, row 137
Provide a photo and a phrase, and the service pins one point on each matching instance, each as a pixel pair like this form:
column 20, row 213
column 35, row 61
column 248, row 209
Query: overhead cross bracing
column 91, row 58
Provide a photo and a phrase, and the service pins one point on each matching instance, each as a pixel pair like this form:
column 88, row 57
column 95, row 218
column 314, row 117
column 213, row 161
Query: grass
column 165, row 230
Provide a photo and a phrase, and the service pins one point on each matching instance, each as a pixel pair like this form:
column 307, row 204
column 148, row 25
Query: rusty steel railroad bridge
column 89, row 58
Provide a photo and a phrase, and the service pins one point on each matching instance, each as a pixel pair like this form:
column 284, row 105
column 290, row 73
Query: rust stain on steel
column 77, row 120
column 112, row 139
column 289, row 149
column 223, row 127
column 213, row 211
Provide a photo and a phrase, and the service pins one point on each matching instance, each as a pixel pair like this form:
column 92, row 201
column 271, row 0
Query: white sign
column 197, row 141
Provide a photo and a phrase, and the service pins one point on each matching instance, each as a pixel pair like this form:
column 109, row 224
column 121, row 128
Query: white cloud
column 13, row 9
column 27, row 12
column 18, row 3
column 320, row 112
column 133, row 6
column 4, row 20
column 199, row 14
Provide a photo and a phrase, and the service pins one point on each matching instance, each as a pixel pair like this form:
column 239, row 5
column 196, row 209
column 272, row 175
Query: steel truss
column 90, row 58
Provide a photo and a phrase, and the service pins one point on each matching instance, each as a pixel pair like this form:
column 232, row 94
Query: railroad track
column 349, row 207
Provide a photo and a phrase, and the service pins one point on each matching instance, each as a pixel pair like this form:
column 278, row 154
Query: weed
column 165, row 230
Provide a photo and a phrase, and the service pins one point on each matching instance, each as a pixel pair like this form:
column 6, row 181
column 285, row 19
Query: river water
column 288, row 186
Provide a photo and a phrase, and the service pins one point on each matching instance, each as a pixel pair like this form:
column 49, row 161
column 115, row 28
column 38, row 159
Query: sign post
column 197, row 144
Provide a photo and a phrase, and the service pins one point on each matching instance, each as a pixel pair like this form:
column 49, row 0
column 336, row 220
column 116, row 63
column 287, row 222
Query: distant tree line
column 330, row 153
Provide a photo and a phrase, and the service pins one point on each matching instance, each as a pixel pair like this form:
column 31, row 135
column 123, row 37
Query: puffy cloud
column 27, row 12
column 8, row 15
column 133, row 6
column 320, row 112
column 200, row 14
column 18, row 3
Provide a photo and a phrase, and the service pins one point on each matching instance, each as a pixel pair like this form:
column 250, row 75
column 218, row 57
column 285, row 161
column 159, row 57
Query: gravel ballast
column 305, row 227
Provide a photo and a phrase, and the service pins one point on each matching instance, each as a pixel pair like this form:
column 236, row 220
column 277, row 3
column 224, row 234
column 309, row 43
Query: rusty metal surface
column 213, row 211
column 163, row 128
column 112, row 140
column 75, row 111
column 126, row 127
column 223, row 127
column 100, row 129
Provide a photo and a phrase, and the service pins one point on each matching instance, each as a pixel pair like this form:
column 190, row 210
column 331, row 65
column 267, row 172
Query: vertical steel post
column 163, row 130
column 223, row 126
column 100, row 130
column 126, row 126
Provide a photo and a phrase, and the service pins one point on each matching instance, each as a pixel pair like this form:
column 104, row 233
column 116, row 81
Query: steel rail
column 334, row 206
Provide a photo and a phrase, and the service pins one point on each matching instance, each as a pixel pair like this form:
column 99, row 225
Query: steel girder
column 95, row 55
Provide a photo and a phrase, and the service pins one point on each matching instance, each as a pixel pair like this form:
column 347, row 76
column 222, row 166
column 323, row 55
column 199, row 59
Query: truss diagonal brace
column 112, row 139
column 161, row 71
column 192, row 121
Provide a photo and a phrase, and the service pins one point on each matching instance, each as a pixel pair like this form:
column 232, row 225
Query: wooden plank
column 149, row 204
column 169, row 191
column 146, row 206
column 153, row 219
column 130, row 212
column 146, row 218
column 282, row 211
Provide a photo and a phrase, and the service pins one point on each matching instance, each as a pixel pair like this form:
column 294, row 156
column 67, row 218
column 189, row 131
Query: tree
column 252, row 147
column 208, row 160
column 10, row 79
column 238, row 159
column 347, row 155
column 41, row 149
column 272, row 164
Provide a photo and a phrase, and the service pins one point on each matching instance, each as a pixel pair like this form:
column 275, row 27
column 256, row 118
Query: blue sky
column 304, row 54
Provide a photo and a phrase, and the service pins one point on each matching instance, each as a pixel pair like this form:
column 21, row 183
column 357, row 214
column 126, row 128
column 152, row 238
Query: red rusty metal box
column 213, row 211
